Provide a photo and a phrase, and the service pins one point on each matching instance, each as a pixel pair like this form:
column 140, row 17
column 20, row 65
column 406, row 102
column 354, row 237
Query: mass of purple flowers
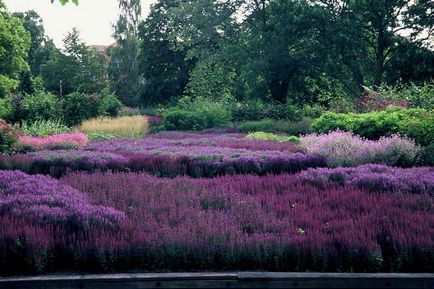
column 230, row 203
column 165, row 154
column 42, row 199
column 378, row 178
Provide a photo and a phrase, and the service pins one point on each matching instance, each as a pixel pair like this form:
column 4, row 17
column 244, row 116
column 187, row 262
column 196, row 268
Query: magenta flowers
column 74, row 140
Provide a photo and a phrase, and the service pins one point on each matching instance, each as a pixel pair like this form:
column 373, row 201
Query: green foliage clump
column 78, row 106
column 8, row 137
column 5, row 108
column 44, row 127
column 110, row 104
column 415, row 123
column 417, row 96
column 273, row 137
column 277, row 126
column 258, row 110
column 100, row 135
column 196, row 114
column 40, row 106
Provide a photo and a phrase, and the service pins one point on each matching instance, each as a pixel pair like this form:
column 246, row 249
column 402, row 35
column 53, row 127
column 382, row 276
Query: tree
column 14, row 47
column 80, row 68
column 63, row 2
column 123, row 68
column 163, row 64
column 41, row 49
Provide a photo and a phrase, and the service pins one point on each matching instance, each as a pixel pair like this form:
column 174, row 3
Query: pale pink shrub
column 73, row 140
column 347, row 149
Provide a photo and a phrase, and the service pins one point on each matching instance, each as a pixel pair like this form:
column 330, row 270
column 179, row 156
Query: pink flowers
column 73, row 140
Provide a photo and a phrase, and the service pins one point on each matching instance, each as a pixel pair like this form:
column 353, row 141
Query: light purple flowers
column 42, row 199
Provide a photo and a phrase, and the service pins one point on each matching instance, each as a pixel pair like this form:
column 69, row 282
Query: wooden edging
column 224, row 280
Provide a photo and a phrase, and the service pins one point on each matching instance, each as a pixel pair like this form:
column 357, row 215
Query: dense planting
column 74, row 140
column 377, row 178
column 249, row 222
column 415, row 123
column 347, row 149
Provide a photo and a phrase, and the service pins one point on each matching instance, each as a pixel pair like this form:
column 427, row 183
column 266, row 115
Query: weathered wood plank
column 223, row 280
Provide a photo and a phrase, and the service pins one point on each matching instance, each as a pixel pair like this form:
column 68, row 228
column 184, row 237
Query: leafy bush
column 272, row 137
column 40, row 106
column 8, row 137
column 346, row 149
column 426, row 157
column 125, row 126
column 417, row 96
column 415, row 123
column 99, row 136
column 258, row 110
column 78, row 107
column 44, row 127
column 277, row 126
column 177, row 119
column 110, row 104
column 5, row 108
column 196, row 114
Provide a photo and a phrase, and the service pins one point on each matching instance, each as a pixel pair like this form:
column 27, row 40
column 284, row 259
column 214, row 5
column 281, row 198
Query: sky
column 93, row 18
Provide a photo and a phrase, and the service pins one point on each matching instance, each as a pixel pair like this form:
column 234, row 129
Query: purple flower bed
column 226, row 223
column 197, row 155
column 42, row 199
column 171, row 142
column 378, row 178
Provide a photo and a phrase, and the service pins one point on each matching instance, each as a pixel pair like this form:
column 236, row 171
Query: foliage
column 80, row 68
column 14, row 46
column 78, row 106
column 40, row 106
column 43, row 127
column 417, row 96
column 257, row 110
column 123, row 67
column 197, row 114
column 5, row 108
column 125, row 126
column 99, row 136
column 346, row 149
column 415, row 123
column 8, row 137
column 272, row 137
column 110, row 104
column 277, row 126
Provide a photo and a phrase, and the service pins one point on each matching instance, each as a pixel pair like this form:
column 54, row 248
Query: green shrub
column 426, row 157
column 418, row 96
column 41, row 105
column 44, row 128
column 415, row 123
column 8, row 137
column 258, row 110
column 177, row 119
column 5, row 108
column 99, row 136
column 277, row 126
column 78, row 107
column 196, row 114
column 110, row 104
column 272, row 137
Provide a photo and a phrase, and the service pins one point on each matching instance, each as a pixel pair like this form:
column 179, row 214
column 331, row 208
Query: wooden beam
column 223, row 280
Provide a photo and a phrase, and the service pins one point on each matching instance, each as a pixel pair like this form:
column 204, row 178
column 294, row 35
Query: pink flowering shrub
column 73, row 140
column 347, row 149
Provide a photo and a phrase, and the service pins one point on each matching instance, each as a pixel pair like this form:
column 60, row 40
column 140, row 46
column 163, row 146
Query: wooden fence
column 223, row 280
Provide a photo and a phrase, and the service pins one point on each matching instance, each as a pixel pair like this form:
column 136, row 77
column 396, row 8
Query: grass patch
column 125, row 126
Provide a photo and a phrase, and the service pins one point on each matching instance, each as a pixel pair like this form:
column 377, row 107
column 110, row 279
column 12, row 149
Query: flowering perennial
column 347, row 149
column 419, row 180
column 73, row 140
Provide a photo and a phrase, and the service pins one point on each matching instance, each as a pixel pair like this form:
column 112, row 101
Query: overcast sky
column 93, row 18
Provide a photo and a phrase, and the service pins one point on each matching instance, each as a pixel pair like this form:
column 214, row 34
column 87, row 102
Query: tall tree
column 163, row 64
column 123, row 67
column 80, row 68
column 14, row 47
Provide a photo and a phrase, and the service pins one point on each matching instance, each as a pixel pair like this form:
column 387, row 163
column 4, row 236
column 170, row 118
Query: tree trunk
column 379, row 67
